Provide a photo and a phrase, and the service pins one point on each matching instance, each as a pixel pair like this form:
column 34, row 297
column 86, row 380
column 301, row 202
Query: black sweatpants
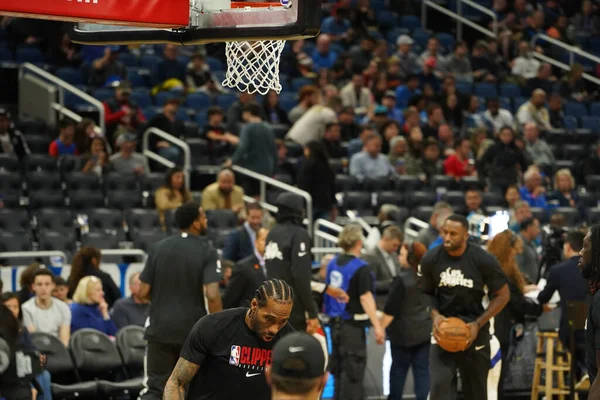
column 348, row 360
column 160, row 361
column 473, row 365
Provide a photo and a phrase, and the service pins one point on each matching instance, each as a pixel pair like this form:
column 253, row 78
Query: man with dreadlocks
column 226, row 353
column 589, row 264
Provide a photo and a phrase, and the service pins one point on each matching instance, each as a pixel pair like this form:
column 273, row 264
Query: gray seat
column 60, row 241
column 142, row 219
column 14, row 220
column 82, row 181
column 9, row 163
column 54, row 219
column 455, row 198
column 42, row 180
column 10, row 241
column 100, row 240
column 40, row 162
column 221, row 219
column 103, row 219
column 46, row 199
column 119, row 181
column 132, row 346
column 390, row 197
column 10, row 182
column 152, row 181
column 146, row 239
column 125, row 199
column 86, row 200
column 357, row 201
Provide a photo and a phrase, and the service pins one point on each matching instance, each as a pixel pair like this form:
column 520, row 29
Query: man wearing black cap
column 288, row 257
column 12, row 141
column 180, row 270
column 298, row 368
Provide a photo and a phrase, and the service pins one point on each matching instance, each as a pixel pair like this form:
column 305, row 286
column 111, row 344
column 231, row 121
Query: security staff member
column 288, row 257
column 348, row 321
column 179, row 271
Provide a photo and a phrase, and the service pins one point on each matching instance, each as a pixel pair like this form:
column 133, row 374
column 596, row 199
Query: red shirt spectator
column 457, row 165
column 64, row 144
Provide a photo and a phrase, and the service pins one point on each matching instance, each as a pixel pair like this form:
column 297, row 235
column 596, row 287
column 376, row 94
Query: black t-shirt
column 231, row 357
column 592, row 336
column 395, row 297
column 362, row 282
column 177, row 269
column 456, row 284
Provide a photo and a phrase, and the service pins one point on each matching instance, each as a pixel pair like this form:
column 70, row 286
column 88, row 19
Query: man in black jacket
column 288, row 257
column 12, row 140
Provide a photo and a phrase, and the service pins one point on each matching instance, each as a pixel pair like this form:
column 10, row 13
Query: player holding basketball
column 454, row 277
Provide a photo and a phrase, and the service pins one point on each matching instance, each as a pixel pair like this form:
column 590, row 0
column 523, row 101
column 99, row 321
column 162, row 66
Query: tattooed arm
column 183, row 373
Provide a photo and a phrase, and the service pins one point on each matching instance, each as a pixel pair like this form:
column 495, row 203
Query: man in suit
column 248, row 274
column 241, row 242
column 384, row 261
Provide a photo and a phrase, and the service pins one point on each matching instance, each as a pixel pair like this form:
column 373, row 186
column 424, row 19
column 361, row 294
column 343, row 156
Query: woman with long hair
column 505, row 246
column 87, row 263
column 95, row 160
column 172, row 193
column 318, row 179
column 89, row 308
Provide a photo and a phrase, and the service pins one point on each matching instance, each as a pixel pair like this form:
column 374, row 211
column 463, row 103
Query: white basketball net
column 253, row 66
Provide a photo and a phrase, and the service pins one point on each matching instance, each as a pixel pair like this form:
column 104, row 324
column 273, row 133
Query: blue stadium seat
column 141, row 98
column 410, row 22
column 506, row 104
column 595, row 109
column 226, row 100
column 161, row 98
column 464, row 87
column 485, row 90
column 287, row 101
column 182, row 114
column 202, row 119
column 592, row 123
column 182, row 59
column 519, row 101
column 386, row 19
column 149, row 112
column 215, row 64
column 570, row 122
column 447, row 41
column 30, row 54
column 574, row 109
column 135, row 78
column 509, row 90
column 5, row 54
column 595, row 45
column 198, row 101
column 298, row 83
column 420, row 37
column 148, row 61
column 129, row 59
column 103, row 94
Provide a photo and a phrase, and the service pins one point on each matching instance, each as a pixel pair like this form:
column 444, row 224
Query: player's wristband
column 318, row 287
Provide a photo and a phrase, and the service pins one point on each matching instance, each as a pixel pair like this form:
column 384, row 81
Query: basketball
column 454, row 335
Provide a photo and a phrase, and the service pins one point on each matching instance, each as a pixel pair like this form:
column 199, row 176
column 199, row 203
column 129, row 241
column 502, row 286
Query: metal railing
column 33, row 254
column 125, row 252
column 460, row 20
column 572, row 50
column 187, row 154
column 63, row 86
column 410, row 233
column 323, row 242
column 265, row 180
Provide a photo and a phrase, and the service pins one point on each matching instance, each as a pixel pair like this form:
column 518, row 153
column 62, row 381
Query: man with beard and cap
column 180, row 271
column 288, row 257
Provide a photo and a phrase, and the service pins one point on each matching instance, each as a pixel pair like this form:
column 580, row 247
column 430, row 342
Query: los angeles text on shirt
column 453, row 277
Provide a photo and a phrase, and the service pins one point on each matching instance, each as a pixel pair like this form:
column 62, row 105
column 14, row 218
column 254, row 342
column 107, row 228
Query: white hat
column 404, row 39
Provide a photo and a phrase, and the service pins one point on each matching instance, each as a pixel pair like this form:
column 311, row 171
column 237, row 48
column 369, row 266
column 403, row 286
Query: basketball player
column 454, row 277
column 226, row 354
column 297, row 371
column 589, row 264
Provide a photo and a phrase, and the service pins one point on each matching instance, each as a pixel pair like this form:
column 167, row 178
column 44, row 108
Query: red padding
column 151, row 13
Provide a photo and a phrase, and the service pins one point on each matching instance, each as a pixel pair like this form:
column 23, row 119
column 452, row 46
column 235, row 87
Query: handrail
column 572, row 51
column 187, row 154
column 125, row 252
column 360, row 220
column 263, row 180
column 62, row 85
column 480, row 8
column 28, row 254
column 410, row 233
column 74, row 116
column 459, row 19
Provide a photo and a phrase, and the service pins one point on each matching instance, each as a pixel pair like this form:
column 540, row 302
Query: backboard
column 214, row 21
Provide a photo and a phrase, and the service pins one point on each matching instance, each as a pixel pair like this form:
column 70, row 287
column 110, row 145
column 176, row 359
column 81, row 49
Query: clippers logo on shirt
column 453, row 277
column 272, row 251
column 249, row 357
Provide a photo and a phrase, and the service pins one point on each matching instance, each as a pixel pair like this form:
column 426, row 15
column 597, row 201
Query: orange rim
column 260, row 4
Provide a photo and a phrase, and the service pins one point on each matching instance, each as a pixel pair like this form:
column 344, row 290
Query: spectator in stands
column 307, row 97
column 388, row 215
column 460, row 164
column 573, row 85
column 89, row 309
column 587, row 22
column 564, row 194
column 528, row 260
column 171, row 194
column 538, row 148
column 543, row 80
column 445, row 138
column 525, row 66
column 433, row 50
column 520, row 212
column 337, row 25
column 389, row 130
column 412, row 120
column 591, row 165
column 398, row 150
column 107, row 67
column 121, row 114
column 533, row 192
column 127, row 160
column 322, row 55
column 241, row 242
column 383, row 260
column 87, row 263
column 26, row 282
column 64, row 144
column 85, row 131
column 95, row 160
column 12, row 141
column 408, row 61
column 64, row 53
column 496, row 116
column 167, row 121
column 311, row 125
column 224, row 194
column 501, row 162
column 356, row 95
column 407, row 90
column 388, row 100
column 430, row 163
column 284, row 166
column 473, row 201
column 332, row 141
column 555, row 111
column 248, row 274
column 256, row 150
column 61, row 289
column 535, row 25
column 350, row 129
column 168, row 68
column 132, row 310
column 511, row 196
column 235, row 117
column 43, row 313
column 272, row 112
column 441, row 210
column 220, row 142
column 428, row 76
column 484, row 69
column 370, row 163
column 458, row 64
column 197, row 74
column 453, row 112
column 480, row 142
column 361, row 56
column 535, row 111
column 393, row 72
column 318, row 179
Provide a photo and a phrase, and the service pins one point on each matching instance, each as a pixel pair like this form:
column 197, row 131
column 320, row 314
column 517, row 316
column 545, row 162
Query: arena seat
column 419, row 198
column 358, row 201
column 14, row 220
column 390, row 197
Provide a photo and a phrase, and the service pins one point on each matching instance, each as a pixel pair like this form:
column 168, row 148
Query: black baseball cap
column 298, row 355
